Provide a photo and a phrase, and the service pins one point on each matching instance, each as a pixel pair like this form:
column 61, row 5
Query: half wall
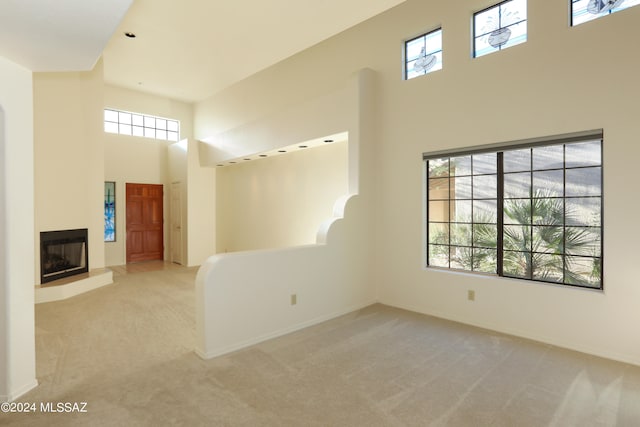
column 246, row 297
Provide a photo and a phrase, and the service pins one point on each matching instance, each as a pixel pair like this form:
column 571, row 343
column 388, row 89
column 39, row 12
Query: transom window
column 499, row 27
column 423, row 54
column 587, row 10
column 530, row 212
column 135, row 124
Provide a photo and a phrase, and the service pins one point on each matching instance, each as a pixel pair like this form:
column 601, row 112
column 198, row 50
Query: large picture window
column 524, row 211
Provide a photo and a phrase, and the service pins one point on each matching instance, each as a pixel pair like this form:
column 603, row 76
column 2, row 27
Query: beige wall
column 196, row 185
column 130, row 159
column 73, row 152
column 562, row 80
column 69, row 168
column 17, row 329
column 279, row 201
column 201, row 207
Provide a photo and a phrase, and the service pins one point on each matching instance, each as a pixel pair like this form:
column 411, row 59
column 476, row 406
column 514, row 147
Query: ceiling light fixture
column 328, row 140
column 130, row 35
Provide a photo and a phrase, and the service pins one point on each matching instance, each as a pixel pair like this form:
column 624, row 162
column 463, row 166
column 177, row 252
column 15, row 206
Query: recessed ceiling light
column 302, row 146
column 328, row 140
column 220, row 166
column 247, row 159
column 263, row 155
column 233, row 163
column 130, row 35
column 282, row 151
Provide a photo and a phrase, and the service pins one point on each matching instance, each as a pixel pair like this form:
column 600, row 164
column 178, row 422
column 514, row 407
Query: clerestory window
column 587, row 10
column 423, row 54
column 135, row 124
column 499, row 27
column 530, row 211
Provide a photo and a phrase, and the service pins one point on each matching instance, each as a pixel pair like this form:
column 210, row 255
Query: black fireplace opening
column 63, row 253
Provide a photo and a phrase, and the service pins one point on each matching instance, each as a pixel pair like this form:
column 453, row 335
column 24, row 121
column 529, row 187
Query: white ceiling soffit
column 58, row 35
column 191, row 49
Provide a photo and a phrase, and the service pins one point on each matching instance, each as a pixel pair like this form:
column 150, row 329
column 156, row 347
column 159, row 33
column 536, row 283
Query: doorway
column 145, row 222
column 176, row 223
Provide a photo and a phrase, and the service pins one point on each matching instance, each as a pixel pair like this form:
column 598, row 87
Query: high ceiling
column 59, row 35
column 186, row 50
column 191, row 49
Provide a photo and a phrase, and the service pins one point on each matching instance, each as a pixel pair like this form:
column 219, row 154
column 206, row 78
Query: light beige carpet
column 127, row 350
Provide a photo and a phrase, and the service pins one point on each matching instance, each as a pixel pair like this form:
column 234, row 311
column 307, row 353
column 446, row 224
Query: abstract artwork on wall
column 109, row 211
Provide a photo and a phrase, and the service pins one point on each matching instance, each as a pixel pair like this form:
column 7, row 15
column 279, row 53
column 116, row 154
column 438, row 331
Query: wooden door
column 144, row 222
column 176, row 222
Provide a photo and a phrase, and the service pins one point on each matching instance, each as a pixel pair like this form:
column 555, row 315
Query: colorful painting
column 109, row 211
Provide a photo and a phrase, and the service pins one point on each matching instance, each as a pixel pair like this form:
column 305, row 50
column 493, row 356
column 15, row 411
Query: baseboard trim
column 19, row 392
column 284, row 331
column 606, row 354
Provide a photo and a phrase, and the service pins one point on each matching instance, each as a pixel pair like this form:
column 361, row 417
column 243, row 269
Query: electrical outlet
column 471, row 295
column 294, row 299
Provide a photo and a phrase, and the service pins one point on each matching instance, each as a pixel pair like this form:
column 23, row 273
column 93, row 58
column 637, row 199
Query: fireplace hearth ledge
column 71, row 286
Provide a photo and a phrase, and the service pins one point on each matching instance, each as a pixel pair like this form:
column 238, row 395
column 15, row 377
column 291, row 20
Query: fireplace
column 63, row 253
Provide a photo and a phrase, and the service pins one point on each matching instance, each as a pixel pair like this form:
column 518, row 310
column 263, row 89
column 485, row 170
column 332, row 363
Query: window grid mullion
column 530, row 272
column 500, row 219
column 119, row 123
column 449, row 211
column 564, row 213
column 540, row 205
column 472, row 209
column 601, row 215
column 500, row 22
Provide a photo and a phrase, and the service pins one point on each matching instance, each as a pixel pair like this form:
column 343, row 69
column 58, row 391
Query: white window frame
column 141, row 125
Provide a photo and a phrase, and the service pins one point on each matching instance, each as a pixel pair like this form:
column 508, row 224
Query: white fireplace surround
column 77, row 278
column 76, row 285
